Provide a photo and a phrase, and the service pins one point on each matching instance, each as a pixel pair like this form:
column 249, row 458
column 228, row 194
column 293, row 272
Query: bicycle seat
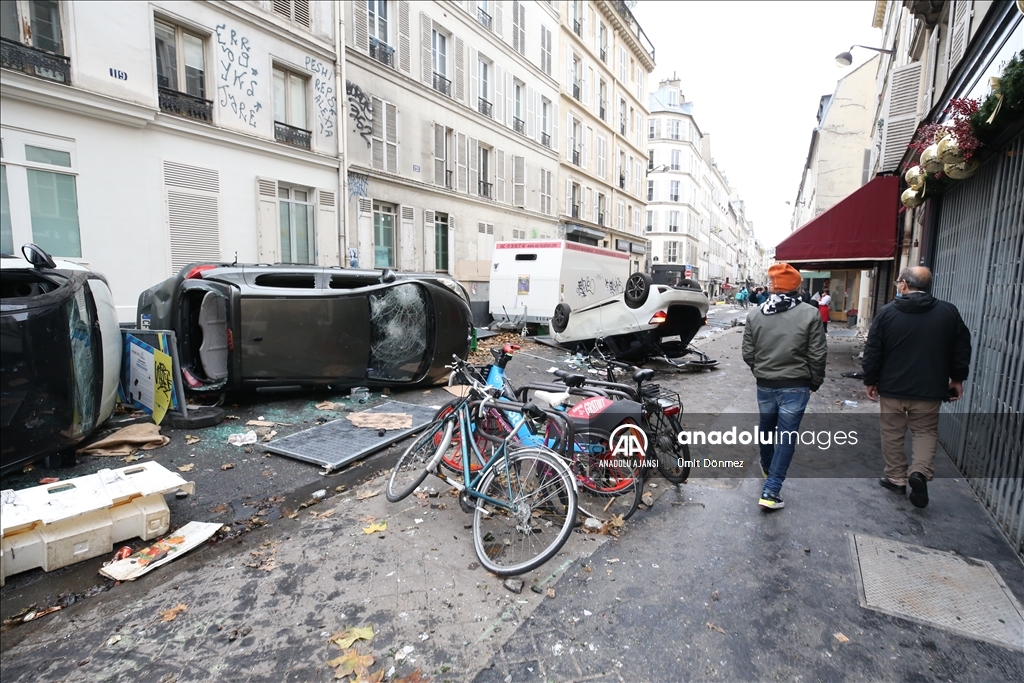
column 643, row 375
column 573, row 380
column 531, row 410
column 551, row 398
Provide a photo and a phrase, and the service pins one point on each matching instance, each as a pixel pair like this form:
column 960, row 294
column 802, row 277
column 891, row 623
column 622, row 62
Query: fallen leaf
column 374, row 528
column 344, row 639
column 351, row 662
column 270, row 435
column 840, row 637
column 368, row 519
column 612, row 560
column 363, row 495
column 187, row 468
column 374, row 677
column 327, row 405
column 228, row 466
column 132, row 458
column 551, row 592
column 191, row 439
column 715, row 628
column 230, row 417
column 172, row 614
column 220, row 508
column 415, row 677
column 260, row 423
column 327, row 513
column 648, row 498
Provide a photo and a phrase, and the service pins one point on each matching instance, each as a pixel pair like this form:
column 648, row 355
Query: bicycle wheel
column 412, row 467
column 538, row 489
column 607, row 487
column 452, row 458
column 671, row 453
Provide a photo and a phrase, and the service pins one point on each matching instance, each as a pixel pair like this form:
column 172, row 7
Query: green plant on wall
column 1005, row 105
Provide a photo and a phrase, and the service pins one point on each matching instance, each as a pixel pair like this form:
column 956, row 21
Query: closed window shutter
column 509, row 98
column 404, row 44
column 377, row 135
column 499, row 176
column 408, row 253
column 583, row 146
column 426, row 50
column 531, row 113
column 440, row 167
column 327, row 229
column 301, row 12
column 498, row 23
column 900, row 117
column 391, row 130
column 429, row 237
column 554, row 126
column 474, row 171
column 474, row 75
column 499, row 99
column 193, row 213
column 462, row 163
column 460, row 71
column 360, row 26
column 268, row 233
column 959, row 31
column 519, row 181
column 568, row 198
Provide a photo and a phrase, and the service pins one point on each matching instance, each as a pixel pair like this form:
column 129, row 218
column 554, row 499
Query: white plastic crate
column 54, row 525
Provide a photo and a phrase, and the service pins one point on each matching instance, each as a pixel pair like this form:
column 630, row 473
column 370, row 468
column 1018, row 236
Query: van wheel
column 560, row 320
column 638, row 288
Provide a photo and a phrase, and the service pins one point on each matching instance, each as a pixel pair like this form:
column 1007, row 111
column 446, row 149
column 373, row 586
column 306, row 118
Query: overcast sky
column 755, row 72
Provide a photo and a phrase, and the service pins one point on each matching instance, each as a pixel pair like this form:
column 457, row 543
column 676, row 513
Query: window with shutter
column 900, row 114
column 427, row 50
column 404, row 43
column 193, row 213
column 959, row 31
column 545, row 50
column 519, row 181
column 499, row 176
column 462, row 163
column 296, row 11
column 441, row 173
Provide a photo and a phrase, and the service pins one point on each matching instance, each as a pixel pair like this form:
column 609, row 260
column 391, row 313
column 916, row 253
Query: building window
column 29, row 24
column 48, row 175
column 620, row 217
column 517, row 112
column 673, row 221
column 484, row 159
column 602, row 103
column 378, row 12
column 650, row 129
column 650, row 221
column 439, row 59
column 545, row 122
column 293, row 10
column 575, row 135
column 545, row 191
column 545, row 50
column 576, row 78
column 650, row 190
column 576, row 17
column 623, row 121
column 671, row 252
column 383, row 235
column 675, row 160
column 650, row 160
column 673, row 98
column 441, row 242
column 483, row 13
column 601, row 210
column 602, row 41
column 673, row 193
column 290, row 123
column 574, row 200
column 484, row 80
column 180, row 60
column 296, row 225
column 674, row 130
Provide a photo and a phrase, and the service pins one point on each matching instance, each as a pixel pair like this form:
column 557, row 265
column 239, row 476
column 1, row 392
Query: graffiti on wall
column 238, row 84
column 589, row 285
column 358, row 185
column 323, row 95
column 360, row 108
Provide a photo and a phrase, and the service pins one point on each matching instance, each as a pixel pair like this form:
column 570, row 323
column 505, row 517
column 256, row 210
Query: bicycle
column 519, row 498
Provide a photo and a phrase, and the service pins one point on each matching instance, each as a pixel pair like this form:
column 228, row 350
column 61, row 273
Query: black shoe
column 918, row 490
column 771, row 501
column 887, row 483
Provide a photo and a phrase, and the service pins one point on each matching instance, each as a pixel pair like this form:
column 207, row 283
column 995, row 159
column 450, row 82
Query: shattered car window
column 84, row 354
column 398, row 328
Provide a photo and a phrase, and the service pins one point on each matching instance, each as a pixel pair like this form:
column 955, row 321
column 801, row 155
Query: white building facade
column 452, row 127
column 140, row 137
column 605, row 60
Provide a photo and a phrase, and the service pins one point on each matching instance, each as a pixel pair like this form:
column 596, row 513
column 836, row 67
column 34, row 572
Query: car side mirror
column 388, row 275
column 35, row 255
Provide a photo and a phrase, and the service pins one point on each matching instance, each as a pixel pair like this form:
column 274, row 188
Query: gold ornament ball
column 930, row 159
column 961, row 171
column 911, row 198
column 915, row 177
column 949, row 151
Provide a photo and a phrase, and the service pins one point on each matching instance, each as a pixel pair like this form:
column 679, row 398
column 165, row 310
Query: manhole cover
column 935, row 587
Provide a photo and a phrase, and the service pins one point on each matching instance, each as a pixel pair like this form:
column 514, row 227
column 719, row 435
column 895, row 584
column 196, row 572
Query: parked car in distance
column 60, row 355
column 256, row 325
column 645, row 321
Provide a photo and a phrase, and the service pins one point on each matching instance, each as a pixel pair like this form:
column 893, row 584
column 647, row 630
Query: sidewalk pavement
column 702, row 586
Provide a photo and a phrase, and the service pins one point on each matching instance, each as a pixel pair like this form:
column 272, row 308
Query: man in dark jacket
column 917, row 355
column 784, row 345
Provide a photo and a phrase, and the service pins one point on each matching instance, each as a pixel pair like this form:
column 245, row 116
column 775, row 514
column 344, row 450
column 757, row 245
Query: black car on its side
column 262, row 325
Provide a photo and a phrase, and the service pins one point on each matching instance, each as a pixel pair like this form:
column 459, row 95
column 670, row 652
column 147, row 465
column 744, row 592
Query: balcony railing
column 600, row 218
column 650, row 195
column 622, row 127
column 577, row 91
column 622, row 182
column 577, row 27
column 575, row 208
column 518, row 125
column 601, row 110
column 297, row 137
column 183, row 104
column 382, row 52
column 604, row 54
column 484, row 107
column 545, row 139
column 576, row 157
column 35, row 62
column 442, row 85
column 484, row 189
column 673, row 197
column 674, row 167
column 484, row 18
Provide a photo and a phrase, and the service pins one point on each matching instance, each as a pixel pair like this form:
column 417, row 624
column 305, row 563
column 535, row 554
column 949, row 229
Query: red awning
column 861, row 227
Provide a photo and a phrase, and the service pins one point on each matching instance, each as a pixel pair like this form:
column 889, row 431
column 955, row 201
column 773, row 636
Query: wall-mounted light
column 844, row 59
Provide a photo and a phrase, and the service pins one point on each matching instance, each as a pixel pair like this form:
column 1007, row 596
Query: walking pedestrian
column 742, row 297
column 784, row 345
column 823, row 304
column 917, row 355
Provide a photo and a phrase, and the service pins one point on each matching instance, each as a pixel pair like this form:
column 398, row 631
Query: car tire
column 197, row 418
column 560, row 319
column 638, row 288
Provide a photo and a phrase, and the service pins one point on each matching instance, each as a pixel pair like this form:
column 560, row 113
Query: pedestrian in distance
column 823, row 305
column 784, row 345
column 917, row 355
column 742, row 297
column 804, row 296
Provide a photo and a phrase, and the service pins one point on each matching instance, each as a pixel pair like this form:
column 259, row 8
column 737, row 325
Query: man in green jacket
column 784, row 345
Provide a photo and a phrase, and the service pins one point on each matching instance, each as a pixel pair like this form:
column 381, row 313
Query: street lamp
column 844, row 59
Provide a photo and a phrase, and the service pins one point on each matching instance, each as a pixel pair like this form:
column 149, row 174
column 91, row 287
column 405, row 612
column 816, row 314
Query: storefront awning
column 861, row 227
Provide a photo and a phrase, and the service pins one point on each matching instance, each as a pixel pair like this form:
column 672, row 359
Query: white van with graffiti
column 530, row 278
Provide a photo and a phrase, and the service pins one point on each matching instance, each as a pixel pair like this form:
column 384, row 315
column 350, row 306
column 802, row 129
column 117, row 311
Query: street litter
column 269, row 435
column 715, row 628
column 260, row 423
column 850, row 404
column 840, row 637
column 242, row 439
column 381, row 420
column 363, row 495
column 123, row 553
column 161, row 552
column 228, row 466
column 403, row 653
column 125, row 441
column 321, row 493
column 191, row 439
column 187, row 468
column 360, row 394
column 49, row 480
column 330, row 405
column 374, row 528
column 59, row 524
column 113, row 640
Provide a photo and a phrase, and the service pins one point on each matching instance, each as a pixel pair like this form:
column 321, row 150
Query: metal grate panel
column 959, row 594
column 978, row 267
column 339, row 442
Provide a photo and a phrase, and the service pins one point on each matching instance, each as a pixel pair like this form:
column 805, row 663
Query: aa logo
column 628, row 442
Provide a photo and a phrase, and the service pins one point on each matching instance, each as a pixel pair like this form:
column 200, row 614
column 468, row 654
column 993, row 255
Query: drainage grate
column 339, row 442
column 935, row 587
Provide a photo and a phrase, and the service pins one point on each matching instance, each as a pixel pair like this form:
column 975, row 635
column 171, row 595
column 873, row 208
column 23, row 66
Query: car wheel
column 638, row 288
column 560, row 320
column 197, row 417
